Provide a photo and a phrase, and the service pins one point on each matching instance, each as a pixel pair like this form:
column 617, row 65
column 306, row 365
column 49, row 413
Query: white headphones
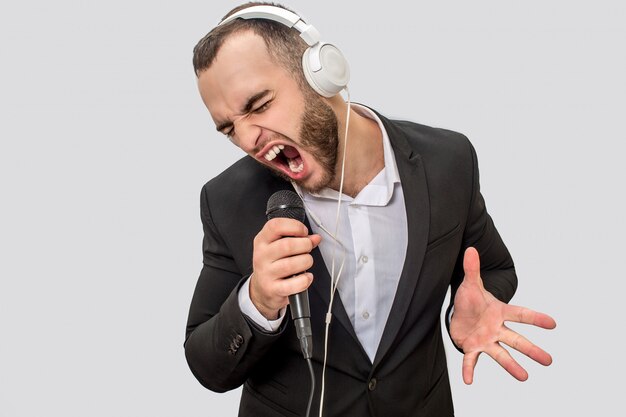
column 325, row 67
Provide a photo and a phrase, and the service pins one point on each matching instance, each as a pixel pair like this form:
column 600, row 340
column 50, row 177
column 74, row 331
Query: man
column 414, row 222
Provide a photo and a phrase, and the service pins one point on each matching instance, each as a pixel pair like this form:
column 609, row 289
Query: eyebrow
column 245, row 109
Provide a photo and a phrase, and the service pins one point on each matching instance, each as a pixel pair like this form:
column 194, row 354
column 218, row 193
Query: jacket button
column 238, row 340
column 372, row 384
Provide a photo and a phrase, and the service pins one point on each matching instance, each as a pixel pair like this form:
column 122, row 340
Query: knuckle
column 276, row 224
column 258, row 255
column 283, row 290
column 515, row 343
column 289, row 245
column 282, row 269
column 270, row 226
column 308, row 261
column 503, row 357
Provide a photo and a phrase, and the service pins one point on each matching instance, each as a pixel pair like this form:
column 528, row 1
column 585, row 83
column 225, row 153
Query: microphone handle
column 300, row 313
column 299, row 305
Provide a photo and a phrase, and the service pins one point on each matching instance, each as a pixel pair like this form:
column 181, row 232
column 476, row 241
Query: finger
column 528, row 316
column 294, row 285
column 315, row 239
column 293, row 265
column 525, row 346
column 504, row 358
column 289, row 246
column 469, row 363
column 277, row 228
column 471, row 265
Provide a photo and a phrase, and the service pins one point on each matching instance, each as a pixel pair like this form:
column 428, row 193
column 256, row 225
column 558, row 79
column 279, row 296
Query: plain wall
column 105, row 144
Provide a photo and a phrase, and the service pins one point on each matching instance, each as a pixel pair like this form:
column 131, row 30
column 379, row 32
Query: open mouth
column 286, row 158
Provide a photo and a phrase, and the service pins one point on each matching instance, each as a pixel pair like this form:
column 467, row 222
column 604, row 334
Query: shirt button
column 366, row 315
column 372, row 384
column 364, row 259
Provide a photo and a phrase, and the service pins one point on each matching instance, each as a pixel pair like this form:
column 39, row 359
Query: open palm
column 478, row 325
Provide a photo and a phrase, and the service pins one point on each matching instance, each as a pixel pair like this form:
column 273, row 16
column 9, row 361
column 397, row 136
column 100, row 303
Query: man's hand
column 477, row 325
column 281, row 253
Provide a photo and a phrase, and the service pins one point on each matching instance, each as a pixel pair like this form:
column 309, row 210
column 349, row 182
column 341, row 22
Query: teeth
column 273, row 152
column 295, row 168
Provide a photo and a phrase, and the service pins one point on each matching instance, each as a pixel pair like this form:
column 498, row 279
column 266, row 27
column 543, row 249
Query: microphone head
column 285, row 203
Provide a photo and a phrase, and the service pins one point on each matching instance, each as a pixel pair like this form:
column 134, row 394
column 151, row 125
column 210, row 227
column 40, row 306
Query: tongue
column 290, row 152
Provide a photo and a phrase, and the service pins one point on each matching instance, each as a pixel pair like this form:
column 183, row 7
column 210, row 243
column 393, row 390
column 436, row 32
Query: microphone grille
column 285, row 203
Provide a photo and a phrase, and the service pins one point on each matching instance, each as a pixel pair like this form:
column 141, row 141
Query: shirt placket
column 365, row 284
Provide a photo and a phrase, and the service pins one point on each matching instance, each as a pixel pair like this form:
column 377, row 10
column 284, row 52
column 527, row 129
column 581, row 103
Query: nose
column 246, row 134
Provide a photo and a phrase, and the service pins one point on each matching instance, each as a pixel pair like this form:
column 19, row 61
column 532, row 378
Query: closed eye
column 228, row 128
column 262, row 107
column 229, row 131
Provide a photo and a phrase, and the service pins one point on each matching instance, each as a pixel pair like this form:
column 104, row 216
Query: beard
column 319, row 137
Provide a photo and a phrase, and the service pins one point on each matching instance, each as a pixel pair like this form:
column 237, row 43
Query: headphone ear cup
column 326, row 69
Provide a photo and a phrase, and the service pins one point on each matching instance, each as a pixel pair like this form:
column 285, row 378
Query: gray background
column 105, row 145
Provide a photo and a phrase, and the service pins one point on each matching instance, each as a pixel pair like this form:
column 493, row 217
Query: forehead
column 242, row 68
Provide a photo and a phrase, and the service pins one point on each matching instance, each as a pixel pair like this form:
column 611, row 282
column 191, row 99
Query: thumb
column 471, row 265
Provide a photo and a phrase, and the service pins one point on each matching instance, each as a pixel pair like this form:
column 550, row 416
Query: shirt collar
column 380, row 189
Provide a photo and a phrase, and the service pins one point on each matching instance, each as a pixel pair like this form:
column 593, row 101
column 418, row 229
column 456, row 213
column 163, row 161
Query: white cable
column 335, row 280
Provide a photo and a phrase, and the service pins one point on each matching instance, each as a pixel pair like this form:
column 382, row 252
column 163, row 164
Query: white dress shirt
column 373, row 230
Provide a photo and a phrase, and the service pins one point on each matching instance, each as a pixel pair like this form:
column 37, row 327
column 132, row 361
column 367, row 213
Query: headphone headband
column 277, row 14
column 325, row 67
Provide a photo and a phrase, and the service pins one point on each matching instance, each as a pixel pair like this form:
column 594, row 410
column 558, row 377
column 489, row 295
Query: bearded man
column 413, row 224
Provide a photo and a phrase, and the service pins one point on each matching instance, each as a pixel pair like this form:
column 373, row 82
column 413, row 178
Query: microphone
column 287, row 204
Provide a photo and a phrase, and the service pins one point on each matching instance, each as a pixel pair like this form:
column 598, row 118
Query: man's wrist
column 266, row 312
column 250, row 310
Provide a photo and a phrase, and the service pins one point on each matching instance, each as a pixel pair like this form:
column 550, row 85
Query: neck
column 364, row 156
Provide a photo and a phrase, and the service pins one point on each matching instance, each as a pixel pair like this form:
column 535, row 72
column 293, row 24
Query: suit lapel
column 415, row 190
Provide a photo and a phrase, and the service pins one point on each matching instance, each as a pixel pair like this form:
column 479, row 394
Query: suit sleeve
column 496, row 265
column 222, row 345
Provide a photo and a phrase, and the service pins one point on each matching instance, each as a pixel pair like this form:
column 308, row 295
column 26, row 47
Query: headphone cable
column 335, row 280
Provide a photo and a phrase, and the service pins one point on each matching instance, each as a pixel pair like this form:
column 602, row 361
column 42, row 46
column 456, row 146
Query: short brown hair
column 283, row 44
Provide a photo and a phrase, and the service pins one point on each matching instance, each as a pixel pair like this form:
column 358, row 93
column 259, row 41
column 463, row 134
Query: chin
column 312, row 183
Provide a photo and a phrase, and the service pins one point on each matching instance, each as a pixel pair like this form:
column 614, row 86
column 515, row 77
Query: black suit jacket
column 445, row 214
